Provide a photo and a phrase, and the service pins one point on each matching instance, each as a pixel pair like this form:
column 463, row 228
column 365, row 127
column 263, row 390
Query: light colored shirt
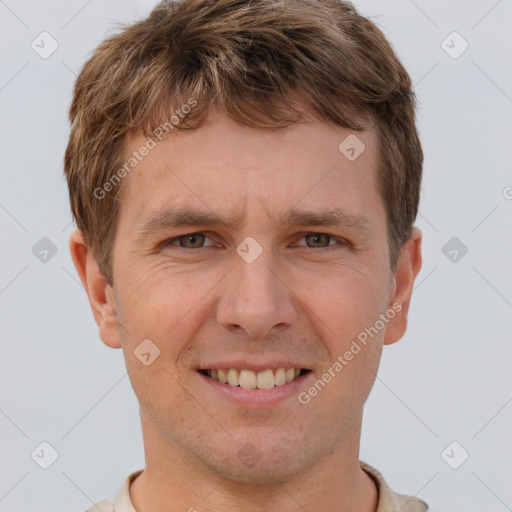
column 389, row 501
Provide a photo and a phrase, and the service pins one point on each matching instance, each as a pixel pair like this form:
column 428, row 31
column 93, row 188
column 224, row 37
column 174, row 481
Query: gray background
column 447, row 380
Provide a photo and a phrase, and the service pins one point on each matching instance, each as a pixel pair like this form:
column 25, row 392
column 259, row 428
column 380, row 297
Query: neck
column 176, row 482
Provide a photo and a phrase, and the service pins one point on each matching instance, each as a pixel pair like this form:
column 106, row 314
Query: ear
column 409, row 264
column 99, row 292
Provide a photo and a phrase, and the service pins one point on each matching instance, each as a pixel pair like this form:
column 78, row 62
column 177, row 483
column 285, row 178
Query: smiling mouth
column 249, row 379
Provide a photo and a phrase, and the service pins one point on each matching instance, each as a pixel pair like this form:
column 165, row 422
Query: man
column 245, row 177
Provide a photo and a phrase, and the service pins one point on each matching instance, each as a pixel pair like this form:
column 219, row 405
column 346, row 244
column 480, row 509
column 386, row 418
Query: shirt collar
column 122, row 501
column 390, row 501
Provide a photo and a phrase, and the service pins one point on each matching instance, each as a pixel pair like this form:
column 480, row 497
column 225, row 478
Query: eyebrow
column 336, row 218
column 162, row 220
column 173, row 217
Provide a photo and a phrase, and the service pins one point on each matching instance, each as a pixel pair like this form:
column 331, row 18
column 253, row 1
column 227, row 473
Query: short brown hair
column 249, row 58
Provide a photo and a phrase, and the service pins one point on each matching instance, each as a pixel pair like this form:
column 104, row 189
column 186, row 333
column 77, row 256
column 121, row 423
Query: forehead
column 223, row 166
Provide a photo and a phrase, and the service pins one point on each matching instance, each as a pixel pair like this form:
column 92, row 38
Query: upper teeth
column 248, row 379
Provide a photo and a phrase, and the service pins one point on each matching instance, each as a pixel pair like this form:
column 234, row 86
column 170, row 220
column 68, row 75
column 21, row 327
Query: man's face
column 207, row 304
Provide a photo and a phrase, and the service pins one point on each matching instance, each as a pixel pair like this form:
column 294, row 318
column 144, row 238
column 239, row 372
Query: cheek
column 154, row 293
column 152, row 316
column 346, row 308
column 344, row 301
column 165, row 305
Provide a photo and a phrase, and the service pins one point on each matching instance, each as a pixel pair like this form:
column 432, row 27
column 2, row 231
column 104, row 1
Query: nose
column 256, row 299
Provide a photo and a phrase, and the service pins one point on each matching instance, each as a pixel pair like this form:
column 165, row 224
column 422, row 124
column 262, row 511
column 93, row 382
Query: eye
column 321, row 240
column 190, row 241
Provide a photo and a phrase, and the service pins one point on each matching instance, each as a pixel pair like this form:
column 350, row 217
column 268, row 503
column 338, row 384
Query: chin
column 265, row 472
column 278, row 462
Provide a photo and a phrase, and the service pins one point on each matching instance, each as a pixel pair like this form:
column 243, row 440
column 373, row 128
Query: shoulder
column 390, row 501
column 409, row 503
column 121, row 502
column 102, row 506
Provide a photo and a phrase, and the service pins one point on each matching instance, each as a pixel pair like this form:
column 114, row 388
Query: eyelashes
column 191, row 239
column 195, row 241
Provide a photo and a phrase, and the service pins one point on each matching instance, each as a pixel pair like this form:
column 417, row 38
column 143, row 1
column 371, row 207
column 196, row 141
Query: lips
column 250, row 379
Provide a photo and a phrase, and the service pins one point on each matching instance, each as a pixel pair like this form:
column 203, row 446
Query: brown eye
column 317, row 239
column 192, row 241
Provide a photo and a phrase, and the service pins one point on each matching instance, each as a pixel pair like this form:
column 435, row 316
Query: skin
column 304, row 299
